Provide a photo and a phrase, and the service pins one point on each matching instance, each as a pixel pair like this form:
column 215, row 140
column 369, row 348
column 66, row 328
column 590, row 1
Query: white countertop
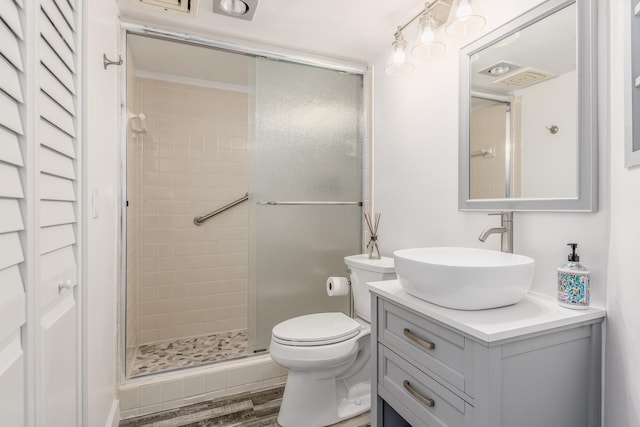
column 535, row 313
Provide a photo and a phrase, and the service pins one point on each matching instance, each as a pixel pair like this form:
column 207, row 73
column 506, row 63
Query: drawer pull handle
column 426, row 344
column 428, row 402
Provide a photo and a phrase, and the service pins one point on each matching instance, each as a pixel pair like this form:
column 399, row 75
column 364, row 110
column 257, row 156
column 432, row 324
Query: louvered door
column 57, row 142
column 12, row 266
column 39, row 329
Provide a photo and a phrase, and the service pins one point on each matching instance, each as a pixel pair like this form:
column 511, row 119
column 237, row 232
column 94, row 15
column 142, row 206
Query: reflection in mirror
column 528, row 112
column 523, row 121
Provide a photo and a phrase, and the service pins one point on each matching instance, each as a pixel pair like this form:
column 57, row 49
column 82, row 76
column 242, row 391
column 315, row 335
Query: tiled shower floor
column 194, row 351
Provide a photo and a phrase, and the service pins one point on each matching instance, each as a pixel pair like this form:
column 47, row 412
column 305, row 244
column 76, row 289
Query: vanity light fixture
column 459, row 20
column 399, row 62
column 427, row 45
column 463, row 22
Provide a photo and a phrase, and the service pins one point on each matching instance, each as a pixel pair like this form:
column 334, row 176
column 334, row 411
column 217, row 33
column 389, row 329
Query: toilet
column 328, row 355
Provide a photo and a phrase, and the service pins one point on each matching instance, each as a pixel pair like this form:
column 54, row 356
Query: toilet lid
column 316, row 329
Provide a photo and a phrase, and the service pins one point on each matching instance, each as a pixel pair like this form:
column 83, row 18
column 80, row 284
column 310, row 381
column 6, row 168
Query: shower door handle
column 308, row 203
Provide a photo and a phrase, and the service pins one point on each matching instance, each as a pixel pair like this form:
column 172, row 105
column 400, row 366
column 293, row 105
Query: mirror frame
column 587, row 132
column 631, row 31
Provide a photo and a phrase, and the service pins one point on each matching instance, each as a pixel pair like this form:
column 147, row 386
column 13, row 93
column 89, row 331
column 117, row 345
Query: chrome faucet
column 505, row 230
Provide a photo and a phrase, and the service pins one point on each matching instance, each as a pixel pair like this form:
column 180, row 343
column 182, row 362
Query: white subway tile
column 271, row 370
column 129, row 413
column 215, row 381
column 273, row 382
column 128, row 399
column 254, row 373
column 173, row 390
column 235, row 377
column 150, row 394
column 194, row 385
column 172, row 404
column 151, row 409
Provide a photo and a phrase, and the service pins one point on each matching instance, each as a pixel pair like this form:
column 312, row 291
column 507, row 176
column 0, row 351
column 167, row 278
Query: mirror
column 528, row 113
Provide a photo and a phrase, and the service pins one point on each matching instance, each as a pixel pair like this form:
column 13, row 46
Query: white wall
column 622, row 372
column 545, row 171
column 101, row 94
column 415, row 173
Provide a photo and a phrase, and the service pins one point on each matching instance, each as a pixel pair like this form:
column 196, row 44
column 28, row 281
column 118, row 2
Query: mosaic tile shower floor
column 188, row 352
column 250, row 409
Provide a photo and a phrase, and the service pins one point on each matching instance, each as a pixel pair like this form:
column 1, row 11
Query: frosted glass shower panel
column 308, row 132
column 307, row 152
column 299, row 247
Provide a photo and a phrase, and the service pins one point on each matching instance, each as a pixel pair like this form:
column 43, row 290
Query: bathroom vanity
column 529, row 364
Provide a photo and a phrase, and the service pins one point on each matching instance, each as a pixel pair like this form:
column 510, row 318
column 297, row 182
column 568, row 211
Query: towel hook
column 553, row 129
column 106, row 61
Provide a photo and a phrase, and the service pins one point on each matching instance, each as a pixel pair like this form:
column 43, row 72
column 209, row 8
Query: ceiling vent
column 182, row 7
column 524, row 77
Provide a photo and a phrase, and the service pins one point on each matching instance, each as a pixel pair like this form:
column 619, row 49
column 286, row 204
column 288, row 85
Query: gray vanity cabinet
column 431, row 375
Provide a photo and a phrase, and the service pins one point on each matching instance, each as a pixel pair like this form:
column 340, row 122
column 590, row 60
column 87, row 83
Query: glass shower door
column 305, row 190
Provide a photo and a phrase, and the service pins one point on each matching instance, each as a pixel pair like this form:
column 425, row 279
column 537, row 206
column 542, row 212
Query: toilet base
column 318, row 402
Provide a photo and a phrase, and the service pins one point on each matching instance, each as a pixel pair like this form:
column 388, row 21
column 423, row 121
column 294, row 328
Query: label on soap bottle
column 573, row 288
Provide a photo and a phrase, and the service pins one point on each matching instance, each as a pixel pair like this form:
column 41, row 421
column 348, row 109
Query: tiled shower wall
column 488, row 129
column 193, row 279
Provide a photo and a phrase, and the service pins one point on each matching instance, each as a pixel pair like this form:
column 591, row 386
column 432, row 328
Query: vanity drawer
column 423, row 396
column 427, row 345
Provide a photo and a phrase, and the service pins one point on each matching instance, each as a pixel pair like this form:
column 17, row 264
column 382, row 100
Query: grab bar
column 200, row 219
column 483, row 152
column 273, row 203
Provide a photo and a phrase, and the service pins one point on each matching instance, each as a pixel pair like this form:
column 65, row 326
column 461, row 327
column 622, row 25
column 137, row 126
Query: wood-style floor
column 251, row 409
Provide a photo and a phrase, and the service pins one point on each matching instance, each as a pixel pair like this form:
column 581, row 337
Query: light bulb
column 465, row 22
column 234, row 7
column 398, row 64
column 425, row 30
column 399, row 55
column 427, row 46
column 499, row 70
column 464, row 9
column 399, row 45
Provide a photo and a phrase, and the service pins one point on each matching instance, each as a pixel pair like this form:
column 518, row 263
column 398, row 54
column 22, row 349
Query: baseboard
column 114, row 414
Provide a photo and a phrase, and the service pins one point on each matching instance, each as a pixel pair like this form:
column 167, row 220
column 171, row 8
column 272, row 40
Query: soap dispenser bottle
column 573, row 282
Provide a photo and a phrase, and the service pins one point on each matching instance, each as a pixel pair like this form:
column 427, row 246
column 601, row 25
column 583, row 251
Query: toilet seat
column 316, row 329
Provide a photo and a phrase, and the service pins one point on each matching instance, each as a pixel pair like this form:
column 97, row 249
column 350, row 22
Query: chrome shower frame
column 243, row 48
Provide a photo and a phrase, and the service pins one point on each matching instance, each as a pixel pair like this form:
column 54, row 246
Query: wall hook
column 106, row 61
column 553, row 129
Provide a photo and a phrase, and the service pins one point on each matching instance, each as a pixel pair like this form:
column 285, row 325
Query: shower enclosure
column 204, row 128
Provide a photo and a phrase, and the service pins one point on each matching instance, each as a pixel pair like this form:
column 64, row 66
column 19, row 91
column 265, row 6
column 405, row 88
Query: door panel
column 12, row 397
column 57, row 379
column 307, row 155
column 58, row 353
column 13, row 312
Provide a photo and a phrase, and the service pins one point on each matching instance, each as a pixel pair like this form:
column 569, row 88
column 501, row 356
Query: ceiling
column 548, row 45
column 353, row 30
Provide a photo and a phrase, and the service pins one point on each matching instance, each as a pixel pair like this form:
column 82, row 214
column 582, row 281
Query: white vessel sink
column 464, row 278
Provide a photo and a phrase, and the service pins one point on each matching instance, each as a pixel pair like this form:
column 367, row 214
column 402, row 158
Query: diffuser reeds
column 372, row 224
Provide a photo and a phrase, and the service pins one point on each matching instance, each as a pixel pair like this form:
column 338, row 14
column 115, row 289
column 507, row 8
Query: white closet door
column 57, row 134
column 39, row 330
column 12, row 289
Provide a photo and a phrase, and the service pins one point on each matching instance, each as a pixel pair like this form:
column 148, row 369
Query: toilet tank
column 363, row 270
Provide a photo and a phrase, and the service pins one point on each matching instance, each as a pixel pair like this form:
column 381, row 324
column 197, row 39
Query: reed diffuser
column 372, row 224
